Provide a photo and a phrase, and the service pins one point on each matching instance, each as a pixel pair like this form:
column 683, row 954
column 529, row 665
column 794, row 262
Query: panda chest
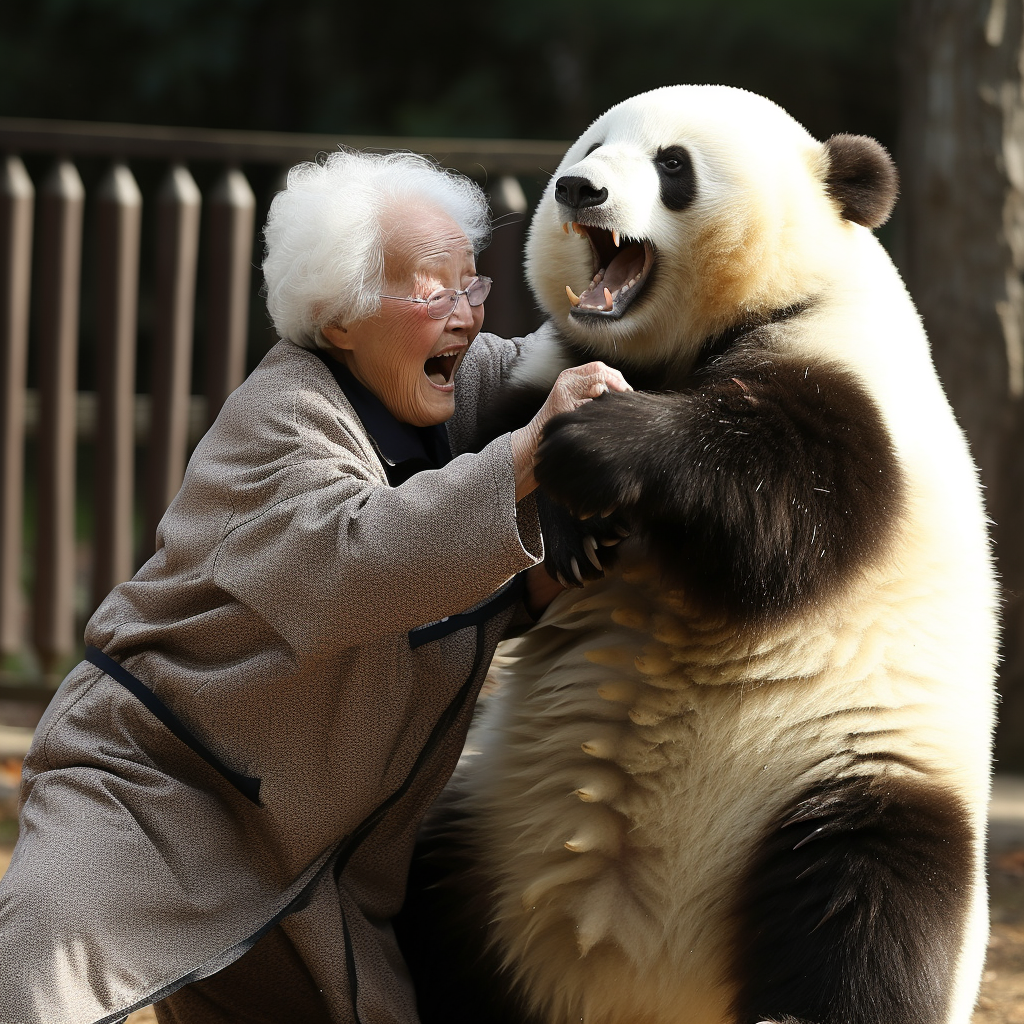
column 632, row 728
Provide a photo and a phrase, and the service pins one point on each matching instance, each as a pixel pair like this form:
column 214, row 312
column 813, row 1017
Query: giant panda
column 741, row 774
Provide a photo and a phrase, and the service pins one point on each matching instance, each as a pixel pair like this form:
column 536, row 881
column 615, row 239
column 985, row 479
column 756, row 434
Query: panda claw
column 590, row 550
column 561, row 579
column 608, row 542
column 576, row 570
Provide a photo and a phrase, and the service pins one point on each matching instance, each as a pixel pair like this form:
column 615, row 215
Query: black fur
column 676, row 177
column 760, row 486
column 759, row 483
column 750, row 331
column 443, row 937
column 566, row 542
column 565, row 537
column 862, row 179
column 854, row 908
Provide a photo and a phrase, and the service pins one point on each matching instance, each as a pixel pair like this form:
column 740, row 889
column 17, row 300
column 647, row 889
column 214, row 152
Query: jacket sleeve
column 327, row 554
column 485, row 370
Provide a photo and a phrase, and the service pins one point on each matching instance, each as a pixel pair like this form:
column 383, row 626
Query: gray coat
column 274, row 623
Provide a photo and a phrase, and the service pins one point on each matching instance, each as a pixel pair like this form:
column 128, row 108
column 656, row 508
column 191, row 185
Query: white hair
column 324, row 260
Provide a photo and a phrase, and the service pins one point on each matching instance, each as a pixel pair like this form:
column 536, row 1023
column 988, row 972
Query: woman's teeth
column 439, row 368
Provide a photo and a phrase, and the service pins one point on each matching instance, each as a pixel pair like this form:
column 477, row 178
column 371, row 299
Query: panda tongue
column 627, row 264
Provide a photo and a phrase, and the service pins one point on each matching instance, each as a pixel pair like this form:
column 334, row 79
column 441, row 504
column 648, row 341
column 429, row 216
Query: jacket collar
column 402, row 448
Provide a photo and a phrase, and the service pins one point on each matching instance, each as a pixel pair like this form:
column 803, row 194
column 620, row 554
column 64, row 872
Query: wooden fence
column 120, row 247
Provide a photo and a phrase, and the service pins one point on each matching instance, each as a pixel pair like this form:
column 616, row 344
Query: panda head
column 688, row 210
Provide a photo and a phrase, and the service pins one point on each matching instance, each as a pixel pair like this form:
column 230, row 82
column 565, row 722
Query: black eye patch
column 596, row 145
column 675, row 176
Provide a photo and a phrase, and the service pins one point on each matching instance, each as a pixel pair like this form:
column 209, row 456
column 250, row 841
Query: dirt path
column 1002, row 987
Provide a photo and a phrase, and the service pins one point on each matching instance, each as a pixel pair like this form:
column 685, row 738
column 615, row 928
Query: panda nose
column 578, row 192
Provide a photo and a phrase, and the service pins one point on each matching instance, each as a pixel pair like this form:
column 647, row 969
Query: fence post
column 119, row 221
column 178, row 206
column 510, row 307
column 232, row 217
column 61, row 203
column 16, row 201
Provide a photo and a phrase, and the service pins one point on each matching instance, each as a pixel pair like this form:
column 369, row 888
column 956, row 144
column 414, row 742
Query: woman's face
column 407, row 359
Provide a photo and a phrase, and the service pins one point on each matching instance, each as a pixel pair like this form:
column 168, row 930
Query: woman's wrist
column 524, row 446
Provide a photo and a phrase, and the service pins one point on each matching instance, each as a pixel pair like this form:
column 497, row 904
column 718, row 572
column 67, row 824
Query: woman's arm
column 302, row 529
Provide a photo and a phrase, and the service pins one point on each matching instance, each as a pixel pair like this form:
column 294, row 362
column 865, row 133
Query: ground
column 1002, row 989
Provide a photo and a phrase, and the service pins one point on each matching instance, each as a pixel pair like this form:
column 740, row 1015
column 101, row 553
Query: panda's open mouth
column 621, row 268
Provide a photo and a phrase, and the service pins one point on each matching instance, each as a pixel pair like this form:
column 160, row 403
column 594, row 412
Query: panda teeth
column 573, row 297
column 615, row 238
column 608, row 300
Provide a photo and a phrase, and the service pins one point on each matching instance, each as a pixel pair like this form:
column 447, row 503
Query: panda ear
column 862, row 178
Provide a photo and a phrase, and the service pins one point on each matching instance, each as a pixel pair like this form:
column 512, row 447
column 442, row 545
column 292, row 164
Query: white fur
column 638, row 747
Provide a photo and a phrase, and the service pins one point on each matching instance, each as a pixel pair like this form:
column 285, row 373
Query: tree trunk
column 961, row 247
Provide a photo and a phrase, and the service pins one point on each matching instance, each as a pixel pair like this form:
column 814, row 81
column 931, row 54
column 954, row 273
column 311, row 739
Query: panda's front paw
column 577, row 552
column 587, row 463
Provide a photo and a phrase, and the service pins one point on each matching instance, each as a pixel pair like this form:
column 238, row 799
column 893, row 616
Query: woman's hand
column 574, row 387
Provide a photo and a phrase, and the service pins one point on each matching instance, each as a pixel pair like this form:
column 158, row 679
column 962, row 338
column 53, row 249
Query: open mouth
column 621, row 268
column 441, row 368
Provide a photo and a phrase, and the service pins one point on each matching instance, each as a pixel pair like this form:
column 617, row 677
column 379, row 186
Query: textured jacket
column 277, row 626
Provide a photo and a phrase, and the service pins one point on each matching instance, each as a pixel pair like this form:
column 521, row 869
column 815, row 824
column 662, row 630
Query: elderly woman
column 220, row 803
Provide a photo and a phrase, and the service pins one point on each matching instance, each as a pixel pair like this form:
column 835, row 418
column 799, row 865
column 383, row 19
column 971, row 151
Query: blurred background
column 532, row 69
column 936, row 81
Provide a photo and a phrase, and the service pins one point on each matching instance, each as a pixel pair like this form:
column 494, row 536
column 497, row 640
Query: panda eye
column 596, row 145
column 677, row 179
column 674, row 160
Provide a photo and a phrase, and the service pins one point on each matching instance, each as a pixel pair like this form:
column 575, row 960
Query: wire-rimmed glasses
column 441, row 304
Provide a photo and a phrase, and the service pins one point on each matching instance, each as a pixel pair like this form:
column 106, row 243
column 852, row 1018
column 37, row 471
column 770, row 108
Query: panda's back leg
column 442, row 930
column 855, row 908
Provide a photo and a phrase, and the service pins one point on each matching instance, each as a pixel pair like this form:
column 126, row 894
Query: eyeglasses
column 441, row 304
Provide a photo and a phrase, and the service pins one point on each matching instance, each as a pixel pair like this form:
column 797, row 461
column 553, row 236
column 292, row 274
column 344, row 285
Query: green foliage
column 538, row 68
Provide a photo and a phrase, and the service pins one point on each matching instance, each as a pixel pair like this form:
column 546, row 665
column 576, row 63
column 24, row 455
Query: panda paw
column 577, row 552
column 587, row 460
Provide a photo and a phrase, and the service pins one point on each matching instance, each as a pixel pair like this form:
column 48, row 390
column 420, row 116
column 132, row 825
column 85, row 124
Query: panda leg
column 855, row 908
column 442, row 930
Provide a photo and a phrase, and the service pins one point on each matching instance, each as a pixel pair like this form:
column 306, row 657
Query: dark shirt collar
column 403, row 449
